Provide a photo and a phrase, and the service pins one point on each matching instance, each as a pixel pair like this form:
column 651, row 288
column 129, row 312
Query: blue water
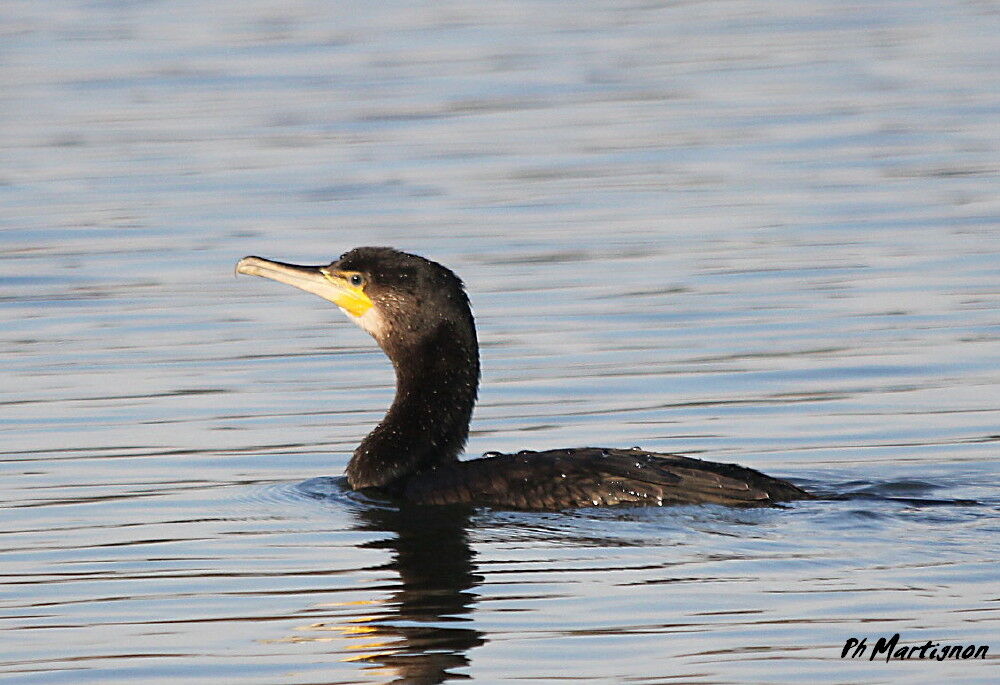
column 765, row 234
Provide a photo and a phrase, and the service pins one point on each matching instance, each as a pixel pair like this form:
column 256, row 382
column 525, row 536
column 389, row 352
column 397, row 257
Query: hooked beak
column 325, row 281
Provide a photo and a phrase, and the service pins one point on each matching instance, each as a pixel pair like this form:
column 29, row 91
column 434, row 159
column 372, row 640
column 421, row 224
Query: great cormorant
column 418, row 312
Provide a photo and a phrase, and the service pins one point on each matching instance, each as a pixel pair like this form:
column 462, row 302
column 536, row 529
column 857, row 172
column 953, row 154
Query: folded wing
column 593, row 476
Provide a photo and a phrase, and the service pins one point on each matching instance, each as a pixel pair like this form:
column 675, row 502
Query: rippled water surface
column 764, row 233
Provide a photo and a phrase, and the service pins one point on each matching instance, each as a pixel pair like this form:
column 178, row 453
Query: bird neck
column 437, row 379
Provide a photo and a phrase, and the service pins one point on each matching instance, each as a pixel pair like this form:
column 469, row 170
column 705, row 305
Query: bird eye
column 356, row 280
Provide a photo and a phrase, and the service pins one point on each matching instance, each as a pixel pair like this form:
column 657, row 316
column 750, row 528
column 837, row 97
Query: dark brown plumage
column 594, row 476
column 418, row 312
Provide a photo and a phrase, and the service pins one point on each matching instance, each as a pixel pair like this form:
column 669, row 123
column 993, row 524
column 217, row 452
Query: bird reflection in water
column 417, row 634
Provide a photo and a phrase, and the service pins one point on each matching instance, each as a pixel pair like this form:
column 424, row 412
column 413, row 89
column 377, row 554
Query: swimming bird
column 418, row 312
